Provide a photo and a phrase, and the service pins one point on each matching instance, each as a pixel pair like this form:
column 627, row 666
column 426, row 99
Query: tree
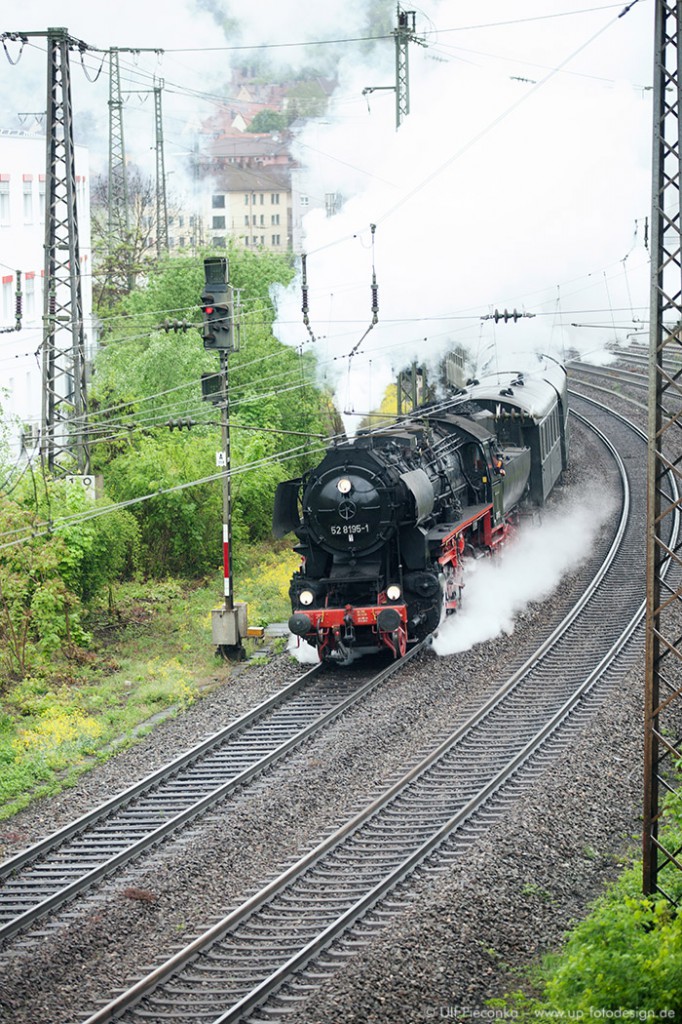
column 147, row 378
column 269, row 121
column 306, row 99
column 126, row 251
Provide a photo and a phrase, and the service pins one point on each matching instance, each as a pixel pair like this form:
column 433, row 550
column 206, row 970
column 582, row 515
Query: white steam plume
column 495, row 193
column 529, row 570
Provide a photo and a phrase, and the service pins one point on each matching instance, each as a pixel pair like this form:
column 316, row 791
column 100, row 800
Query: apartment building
column 22, row 248
column 253, row 207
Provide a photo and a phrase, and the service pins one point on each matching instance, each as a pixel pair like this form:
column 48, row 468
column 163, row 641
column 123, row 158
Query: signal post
column 229, row 623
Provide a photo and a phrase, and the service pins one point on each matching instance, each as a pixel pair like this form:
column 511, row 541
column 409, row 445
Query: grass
column 623, row 961
column 152, row 652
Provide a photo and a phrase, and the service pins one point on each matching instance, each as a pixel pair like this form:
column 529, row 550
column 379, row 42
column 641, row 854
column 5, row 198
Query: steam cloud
column 529, row 570
column 495, row 193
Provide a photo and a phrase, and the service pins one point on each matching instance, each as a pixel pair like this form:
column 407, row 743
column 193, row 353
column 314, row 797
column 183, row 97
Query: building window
column 254, row 220
column 275, row 219
column 4, row 202
column 304, row 200
column 246, row 199
column 218, row 202
column 219, row 223
column 262, row 198
column 246, row 220
column 30, row 435
column 30, row 294
column 254, row 240
column 245, row 239
column 262, row 220
column 7, row 296
column 218, row 241
column 274, row 199
column 275, row 239
column 28, row 202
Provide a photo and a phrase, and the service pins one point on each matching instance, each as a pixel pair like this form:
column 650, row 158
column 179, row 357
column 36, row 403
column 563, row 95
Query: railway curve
column 477, row 780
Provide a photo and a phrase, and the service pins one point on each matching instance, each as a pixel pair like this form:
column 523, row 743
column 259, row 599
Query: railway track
column 72, row 860
column 240, row 966
column 610, row 376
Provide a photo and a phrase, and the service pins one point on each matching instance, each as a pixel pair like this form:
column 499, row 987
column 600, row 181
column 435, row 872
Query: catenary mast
column 663, row 675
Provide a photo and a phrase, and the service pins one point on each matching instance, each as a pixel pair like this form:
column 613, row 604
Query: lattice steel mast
column 663, row 688
column 161, row 198
column 404, row 32
column 117, row 186
column 64, row 445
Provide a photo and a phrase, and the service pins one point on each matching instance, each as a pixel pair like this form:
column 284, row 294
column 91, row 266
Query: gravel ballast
column 465, row 930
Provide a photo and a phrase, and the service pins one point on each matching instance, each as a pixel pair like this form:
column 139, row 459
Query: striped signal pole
column 228, row 589
column 229, row 622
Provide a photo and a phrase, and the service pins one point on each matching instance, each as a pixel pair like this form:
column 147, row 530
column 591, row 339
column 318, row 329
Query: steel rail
column 103, row 810
column 520, row 757
column 64, row 893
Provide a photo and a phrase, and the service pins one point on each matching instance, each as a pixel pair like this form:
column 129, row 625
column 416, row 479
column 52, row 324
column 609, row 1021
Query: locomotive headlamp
column 306, row 597
column 344, row 485
column 393, row 592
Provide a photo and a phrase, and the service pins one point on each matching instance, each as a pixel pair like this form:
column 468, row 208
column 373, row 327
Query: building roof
column 247, row 179
column 246, row 144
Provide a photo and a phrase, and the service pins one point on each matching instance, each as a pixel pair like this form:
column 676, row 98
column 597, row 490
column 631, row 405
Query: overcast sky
column 520, row 179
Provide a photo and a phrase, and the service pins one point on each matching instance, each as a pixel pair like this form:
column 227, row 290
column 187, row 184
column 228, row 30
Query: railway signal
column 216, row 303
column 229, row 622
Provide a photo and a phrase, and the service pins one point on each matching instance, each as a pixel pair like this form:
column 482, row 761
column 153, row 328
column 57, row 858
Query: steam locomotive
column 386, row 521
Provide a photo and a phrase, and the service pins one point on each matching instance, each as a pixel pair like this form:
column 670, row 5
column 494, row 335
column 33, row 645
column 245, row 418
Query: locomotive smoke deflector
column 285, row 516
column 421, row 489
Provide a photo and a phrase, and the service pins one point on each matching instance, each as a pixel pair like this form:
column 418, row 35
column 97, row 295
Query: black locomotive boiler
column 386, row 521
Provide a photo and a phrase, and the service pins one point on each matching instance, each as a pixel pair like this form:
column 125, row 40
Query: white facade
column 22, row 248
column 252, row 207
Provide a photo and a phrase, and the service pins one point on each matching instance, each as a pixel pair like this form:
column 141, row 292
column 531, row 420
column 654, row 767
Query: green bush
column 623, row 961
column 45, row 577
